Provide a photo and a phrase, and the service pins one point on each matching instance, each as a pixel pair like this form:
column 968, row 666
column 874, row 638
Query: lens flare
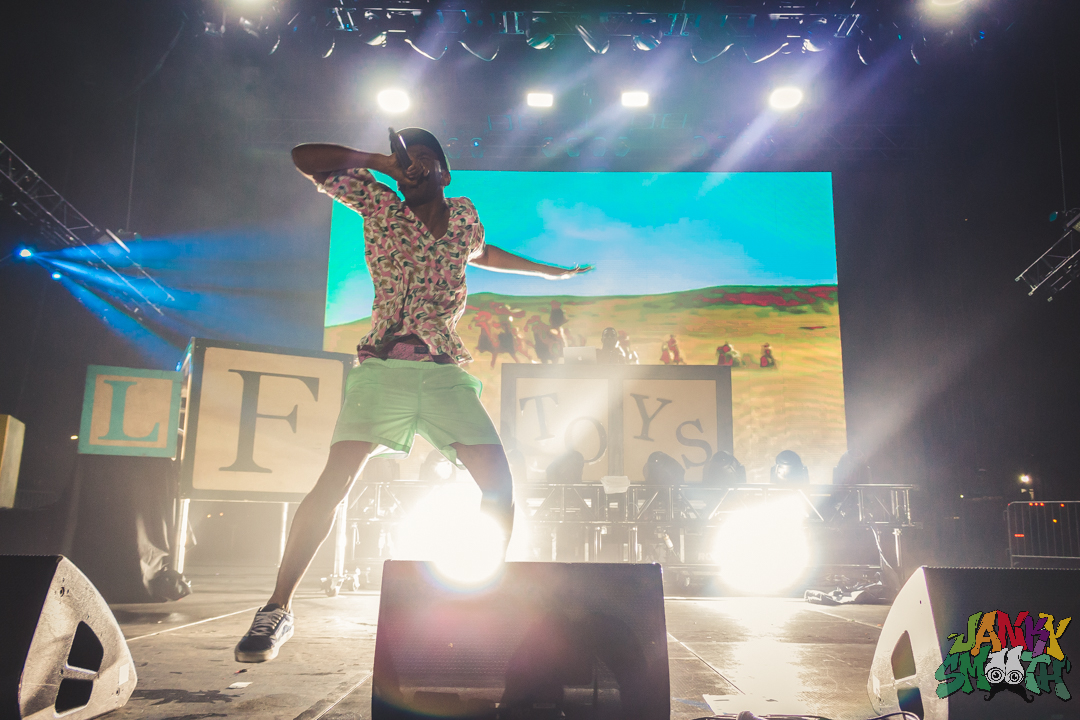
column 447, row 529
column 785, row 98
column 540, row 99
column 393, row 101
column 764, row 549
column 473, row 554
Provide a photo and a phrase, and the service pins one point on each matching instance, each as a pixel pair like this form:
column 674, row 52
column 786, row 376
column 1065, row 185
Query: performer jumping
column 408, row 381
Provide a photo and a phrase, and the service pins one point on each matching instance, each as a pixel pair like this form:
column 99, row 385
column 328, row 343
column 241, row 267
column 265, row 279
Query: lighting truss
column 401, row 18
column 742, row 20
column 757, row 29
column 59, row 225
column 1059, row 265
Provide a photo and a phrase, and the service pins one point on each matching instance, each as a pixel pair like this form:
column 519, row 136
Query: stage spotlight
column 648, row 35
column 477, row 148
column 877, row 41
column 593, row 40
column 723, row 470
column 549, row 148
column 476, row 553
column 713, row 40
column 393, row 101
column 785, row 98
column 538, row 33
column 480, row 39
column 447, row 529
column 932, row 45
column 818, row 39
column 24, row 253
column 789, row 468
column 428, row 38
column 324, row 38
column 622, row 146
column 764, row 550
column 537, row 99
column 573, row 146
column 55, row 276
column 452, row 148
column 372, row 29
column 761, row 49
column 635, row 98
column 1027, row 485
column 251, row 27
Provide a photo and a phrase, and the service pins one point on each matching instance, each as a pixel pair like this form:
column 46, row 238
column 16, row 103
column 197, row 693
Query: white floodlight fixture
column 393, row 100
column 785, row 98
column 540, row 99
column 635, row 98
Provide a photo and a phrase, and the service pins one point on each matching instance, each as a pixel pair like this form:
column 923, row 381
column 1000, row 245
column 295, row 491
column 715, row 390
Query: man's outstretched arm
column 497, row 259
column 318, row 160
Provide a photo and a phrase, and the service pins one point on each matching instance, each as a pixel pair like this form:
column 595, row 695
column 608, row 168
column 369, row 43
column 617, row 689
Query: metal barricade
column 1041, row 531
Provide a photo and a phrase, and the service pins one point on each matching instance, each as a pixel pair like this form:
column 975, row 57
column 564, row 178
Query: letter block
column 259, row 420
column 616, row 415
column 127, row 411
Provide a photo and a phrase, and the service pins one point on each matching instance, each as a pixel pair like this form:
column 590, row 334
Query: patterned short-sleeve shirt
column 419, row 281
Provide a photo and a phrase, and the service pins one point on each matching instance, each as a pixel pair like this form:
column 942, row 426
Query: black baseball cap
column 419, row 136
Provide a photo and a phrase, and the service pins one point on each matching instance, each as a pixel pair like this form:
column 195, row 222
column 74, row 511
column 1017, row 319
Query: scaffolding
column 60, row 226
column 1059, row 265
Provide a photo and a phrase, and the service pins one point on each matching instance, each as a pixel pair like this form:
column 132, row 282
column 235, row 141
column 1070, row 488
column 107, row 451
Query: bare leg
column 315, row 516
column 491, row 471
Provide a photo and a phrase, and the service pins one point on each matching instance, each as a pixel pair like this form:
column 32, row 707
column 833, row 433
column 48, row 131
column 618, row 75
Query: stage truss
column 647, row 523
column 1059, row 265
column 59, row 225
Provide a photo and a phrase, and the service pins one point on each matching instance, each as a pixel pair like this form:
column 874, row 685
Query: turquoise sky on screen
column 646, row 233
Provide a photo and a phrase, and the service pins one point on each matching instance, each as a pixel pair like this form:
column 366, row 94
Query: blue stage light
column 56, row 276
column 201, row 291
column 25, row 252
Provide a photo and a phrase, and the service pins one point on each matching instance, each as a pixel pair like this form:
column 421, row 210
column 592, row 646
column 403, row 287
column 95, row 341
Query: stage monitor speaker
column 61, row 652
column 542, row 640
column 1006, row 664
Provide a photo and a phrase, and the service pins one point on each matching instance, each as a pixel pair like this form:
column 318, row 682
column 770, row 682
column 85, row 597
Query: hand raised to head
column 410, row 176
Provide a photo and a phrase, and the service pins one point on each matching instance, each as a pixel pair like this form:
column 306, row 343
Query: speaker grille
column 903, row 659
column 910, row 700
column 86, row 650
column 73, row 694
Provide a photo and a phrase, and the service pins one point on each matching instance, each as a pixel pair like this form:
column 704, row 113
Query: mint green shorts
column 389, row 402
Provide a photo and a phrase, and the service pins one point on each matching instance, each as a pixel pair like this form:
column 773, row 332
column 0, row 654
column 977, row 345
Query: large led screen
column 733, row 268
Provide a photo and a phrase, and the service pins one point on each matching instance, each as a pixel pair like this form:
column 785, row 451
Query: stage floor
column 769, row 655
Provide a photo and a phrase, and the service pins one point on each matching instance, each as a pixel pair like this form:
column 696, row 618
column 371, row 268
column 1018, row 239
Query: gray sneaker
column 269, row 631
